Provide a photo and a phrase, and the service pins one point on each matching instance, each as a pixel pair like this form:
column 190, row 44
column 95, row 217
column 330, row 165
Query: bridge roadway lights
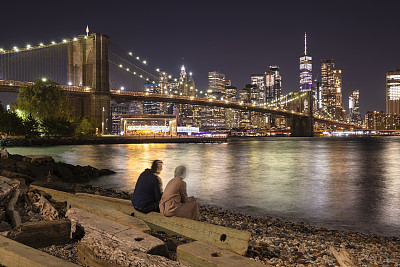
column 302, row 127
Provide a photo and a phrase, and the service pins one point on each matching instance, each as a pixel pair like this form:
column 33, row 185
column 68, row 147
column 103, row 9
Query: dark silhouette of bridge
column 88, row 62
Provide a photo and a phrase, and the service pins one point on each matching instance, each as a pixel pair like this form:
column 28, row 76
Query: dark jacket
column 147, row 189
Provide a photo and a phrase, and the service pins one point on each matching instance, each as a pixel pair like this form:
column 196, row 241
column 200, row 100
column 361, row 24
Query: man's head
column 156, row 166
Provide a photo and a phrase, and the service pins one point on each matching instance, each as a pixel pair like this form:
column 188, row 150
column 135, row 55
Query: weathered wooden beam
column 98, row 209
column 226, row 238
column 12, row 214
column 57, row 195
column 199, row 254
column 120, row 236
column 43, row 233
column 14, row 254
column 344, row 258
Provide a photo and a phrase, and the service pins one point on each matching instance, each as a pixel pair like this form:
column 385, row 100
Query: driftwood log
column 12, row 214
column 43, row 233
column 344, row 258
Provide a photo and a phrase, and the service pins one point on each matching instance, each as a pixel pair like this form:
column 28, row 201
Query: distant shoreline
column 98, row 140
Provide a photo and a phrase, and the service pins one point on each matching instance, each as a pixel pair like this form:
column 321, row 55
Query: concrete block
column 226, row 238
column 14, row 254
column 199, row 254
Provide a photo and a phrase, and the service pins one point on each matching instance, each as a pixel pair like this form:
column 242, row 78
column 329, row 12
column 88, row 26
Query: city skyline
column 357, row 47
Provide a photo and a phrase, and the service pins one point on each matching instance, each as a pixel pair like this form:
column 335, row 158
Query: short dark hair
column 154, row 165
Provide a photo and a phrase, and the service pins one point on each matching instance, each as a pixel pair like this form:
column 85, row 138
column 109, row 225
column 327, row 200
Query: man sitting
column 148, row 189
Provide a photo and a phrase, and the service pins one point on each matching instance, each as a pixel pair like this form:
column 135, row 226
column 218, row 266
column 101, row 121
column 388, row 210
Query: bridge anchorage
column 87, row 67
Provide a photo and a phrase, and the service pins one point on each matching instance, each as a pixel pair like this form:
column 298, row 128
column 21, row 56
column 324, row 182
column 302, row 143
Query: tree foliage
column 87, row 126
column 43, row 100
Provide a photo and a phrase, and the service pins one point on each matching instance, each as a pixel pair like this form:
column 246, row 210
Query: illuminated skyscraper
column 331, row 81
column 354, row 107
column 393, row 92
column 150, row 107
column 273, row 83
column 259, row 93
column 216, row 85
column 305, row 68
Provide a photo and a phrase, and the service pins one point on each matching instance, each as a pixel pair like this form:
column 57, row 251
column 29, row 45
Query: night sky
column 237, row 38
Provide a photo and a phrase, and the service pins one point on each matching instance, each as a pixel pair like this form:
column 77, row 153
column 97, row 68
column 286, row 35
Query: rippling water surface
column 340, row 183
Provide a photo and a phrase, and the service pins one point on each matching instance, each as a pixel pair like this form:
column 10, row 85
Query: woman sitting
column 175, row 202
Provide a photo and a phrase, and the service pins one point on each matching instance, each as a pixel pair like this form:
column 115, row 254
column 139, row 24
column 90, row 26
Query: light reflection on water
column 341, row 183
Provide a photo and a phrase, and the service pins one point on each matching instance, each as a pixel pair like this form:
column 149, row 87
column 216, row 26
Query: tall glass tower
column 305, row 68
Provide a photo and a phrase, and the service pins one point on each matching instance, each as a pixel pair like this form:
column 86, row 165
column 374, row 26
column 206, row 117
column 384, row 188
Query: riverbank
column 274, row 242
column 97, row 140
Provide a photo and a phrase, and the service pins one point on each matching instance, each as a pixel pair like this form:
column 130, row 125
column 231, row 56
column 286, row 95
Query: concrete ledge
column 199, row 254
column 98, row 209
column 14, row 254
column 230, row 239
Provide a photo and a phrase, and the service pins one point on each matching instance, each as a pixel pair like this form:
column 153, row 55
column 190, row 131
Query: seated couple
column 148, row 196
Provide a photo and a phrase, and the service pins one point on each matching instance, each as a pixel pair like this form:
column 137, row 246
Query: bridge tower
column 88, row 67
column 304, row 127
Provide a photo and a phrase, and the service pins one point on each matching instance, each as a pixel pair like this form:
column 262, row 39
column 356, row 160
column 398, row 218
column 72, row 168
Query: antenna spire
column 305, row 43
column 87, row 30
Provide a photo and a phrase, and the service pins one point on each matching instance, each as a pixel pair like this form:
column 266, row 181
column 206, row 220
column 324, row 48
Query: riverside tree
column 43, row 100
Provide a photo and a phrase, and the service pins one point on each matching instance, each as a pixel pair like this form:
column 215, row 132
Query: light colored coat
column 175, row 202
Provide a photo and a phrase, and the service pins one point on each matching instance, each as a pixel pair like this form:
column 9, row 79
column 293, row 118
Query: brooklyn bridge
column 94, row 71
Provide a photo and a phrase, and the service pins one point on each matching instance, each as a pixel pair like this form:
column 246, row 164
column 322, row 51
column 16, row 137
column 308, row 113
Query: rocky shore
column 273, row 242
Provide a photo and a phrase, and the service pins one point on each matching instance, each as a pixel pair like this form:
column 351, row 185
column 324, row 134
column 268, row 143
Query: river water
column 339, row 183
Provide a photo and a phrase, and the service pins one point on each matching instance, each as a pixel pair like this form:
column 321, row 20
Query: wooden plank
column 115, row 235
column 57, row 195
column 43, row 233
column 226, row 238
column 199, row 254
column 98, row 209
column 14, row 254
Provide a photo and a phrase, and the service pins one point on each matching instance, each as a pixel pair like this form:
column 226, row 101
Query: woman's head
column 180, row 171
column 156, row 166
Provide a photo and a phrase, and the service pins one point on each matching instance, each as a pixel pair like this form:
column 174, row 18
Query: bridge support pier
column 302, row 127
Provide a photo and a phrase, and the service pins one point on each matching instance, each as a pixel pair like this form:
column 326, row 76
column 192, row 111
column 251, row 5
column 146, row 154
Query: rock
column 4, row 153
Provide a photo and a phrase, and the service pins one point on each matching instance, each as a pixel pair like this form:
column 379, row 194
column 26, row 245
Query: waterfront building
column 118, row 109
column 393, row 92
column 245, row 98
column 354, row 107
column 273, row 83
column 331, row 81
column 259, row 92
column 305, row 68
column 148, row 124
column 378, row 120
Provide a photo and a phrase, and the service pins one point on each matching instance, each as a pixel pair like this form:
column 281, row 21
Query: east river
column 339, row 183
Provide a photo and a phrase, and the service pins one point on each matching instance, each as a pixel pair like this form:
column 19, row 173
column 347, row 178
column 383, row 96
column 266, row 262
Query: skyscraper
column 354, row 107
column 331, row 81
column 213, row 118
column 150, row 107
column 273, row 83
column 393, row 92
column 259, row 93
column 305, row 68
column 216, row 85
